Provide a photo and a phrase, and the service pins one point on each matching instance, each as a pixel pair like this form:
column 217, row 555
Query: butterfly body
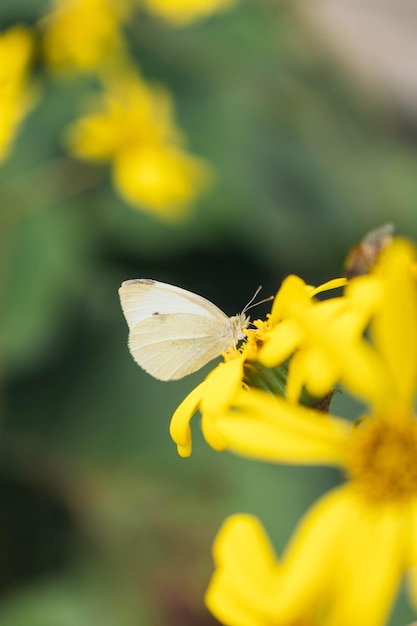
column 174, row 332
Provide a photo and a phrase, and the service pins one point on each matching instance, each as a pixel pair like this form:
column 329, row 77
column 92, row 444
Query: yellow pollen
column 382, row 459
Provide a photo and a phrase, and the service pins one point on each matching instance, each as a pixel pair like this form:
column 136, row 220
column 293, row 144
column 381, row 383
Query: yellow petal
column 369, row 566
column 358, row 552
column 364, row 295
column 355, row 363
column 293, row 289
column 180, row 422
column 280, row 343
column 266, row 427
column 412, row 529
column 242, row 545
column 211, row 434
column 220, row 388
column 394, row 328
column 335, row 283
column 222, row 384
column 228, row 605
column 412, row 553
column 308, row 565
column 246, row 573
column 296, row 377
column 311, row 368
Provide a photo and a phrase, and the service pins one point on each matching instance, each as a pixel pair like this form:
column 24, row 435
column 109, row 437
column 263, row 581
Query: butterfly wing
column 173, row 332
column 170, row 346
column 143, row 297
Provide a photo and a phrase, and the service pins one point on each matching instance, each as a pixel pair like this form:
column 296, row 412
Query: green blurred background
column 309, row 122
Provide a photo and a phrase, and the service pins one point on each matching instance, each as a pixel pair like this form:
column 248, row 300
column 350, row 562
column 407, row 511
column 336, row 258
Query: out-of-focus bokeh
column 212, row 144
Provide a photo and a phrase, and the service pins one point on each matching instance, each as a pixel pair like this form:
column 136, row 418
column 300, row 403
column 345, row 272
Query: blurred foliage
column 100, row 521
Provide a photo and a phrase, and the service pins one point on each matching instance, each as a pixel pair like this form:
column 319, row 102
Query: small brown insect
column 362, row 258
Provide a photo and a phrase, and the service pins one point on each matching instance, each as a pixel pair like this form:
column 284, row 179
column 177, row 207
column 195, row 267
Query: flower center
column 382, row 459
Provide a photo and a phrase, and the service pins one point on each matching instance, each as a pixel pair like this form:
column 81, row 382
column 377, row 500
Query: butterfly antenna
column 250, row 305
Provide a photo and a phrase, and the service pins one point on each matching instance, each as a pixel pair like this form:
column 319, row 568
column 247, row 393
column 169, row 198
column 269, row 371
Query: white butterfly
column 174, row 332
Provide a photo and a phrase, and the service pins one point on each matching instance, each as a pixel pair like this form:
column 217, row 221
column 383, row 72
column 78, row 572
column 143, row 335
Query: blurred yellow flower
column 83, row 35
column 16, row 96
column 129, row 113
column 354, row 546
column 182, row 12
column 162, row 178
column 133, row 128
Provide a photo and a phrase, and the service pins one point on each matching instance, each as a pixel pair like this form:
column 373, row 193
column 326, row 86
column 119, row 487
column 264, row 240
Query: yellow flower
column 181, row 12
column 83, row 35
column 132, row 126
column 314, row 333
column 242, row 368
column 16, row 97
column 353, row 547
